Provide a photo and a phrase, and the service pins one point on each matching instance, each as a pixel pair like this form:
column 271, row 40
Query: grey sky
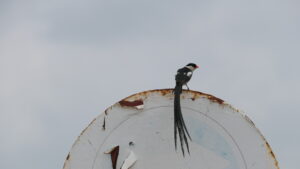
column 63, row 62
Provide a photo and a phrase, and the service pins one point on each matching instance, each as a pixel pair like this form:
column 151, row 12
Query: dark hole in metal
column 131, row 143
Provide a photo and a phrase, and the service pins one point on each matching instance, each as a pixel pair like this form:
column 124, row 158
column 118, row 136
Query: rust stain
column 164, row 92
column 267, row 145
column 131, row 103
column 114, row 153
column 197, row 95
column 136, row 100
column 272, row 154
column 215, row 99
column 144, row 94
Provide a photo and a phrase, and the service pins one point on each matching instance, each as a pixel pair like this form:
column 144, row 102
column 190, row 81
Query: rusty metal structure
column 137, row 133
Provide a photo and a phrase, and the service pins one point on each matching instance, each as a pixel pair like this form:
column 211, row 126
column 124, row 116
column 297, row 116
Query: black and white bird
column 182, row 77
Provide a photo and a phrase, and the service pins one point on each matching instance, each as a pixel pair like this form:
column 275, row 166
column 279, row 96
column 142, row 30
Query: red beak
column 197, row 66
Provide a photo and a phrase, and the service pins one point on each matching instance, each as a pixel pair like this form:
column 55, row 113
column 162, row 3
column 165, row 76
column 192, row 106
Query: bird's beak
column 197, row 66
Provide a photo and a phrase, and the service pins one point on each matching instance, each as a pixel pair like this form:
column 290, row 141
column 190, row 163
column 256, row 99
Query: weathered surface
column 142, row 124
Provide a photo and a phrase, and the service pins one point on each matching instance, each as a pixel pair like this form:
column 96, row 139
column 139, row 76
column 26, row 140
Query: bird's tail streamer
column 179, row 125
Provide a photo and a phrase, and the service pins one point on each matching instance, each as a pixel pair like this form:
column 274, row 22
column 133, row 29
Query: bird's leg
column 187, row 86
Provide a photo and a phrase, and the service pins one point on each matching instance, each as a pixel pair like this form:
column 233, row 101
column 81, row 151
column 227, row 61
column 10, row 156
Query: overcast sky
column 64, row 62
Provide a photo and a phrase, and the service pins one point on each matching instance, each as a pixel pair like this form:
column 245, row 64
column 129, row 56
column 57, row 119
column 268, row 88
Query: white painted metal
column 129, row 161
column 223, row 137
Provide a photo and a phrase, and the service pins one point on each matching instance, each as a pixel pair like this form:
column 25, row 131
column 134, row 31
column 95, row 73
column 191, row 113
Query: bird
column 182, row 77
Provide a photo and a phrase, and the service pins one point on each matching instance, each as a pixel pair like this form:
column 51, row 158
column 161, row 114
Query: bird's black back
column 183, row 76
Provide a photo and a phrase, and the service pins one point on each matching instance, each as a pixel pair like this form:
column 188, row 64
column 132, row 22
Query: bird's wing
column 182, row 78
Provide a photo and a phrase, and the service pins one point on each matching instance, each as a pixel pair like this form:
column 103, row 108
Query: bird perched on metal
column 182, row 77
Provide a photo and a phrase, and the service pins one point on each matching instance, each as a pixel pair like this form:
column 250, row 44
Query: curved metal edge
column 137, row 99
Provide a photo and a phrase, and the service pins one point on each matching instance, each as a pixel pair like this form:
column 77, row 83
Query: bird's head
column 192, row 66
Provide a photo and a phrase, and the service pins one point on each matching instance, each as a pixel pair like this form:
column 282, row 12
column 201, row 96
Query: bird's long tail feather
column 179, row 125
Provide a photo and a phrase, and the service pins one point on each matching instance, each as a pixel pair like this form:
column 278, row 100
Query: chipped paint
column 103, row 126
column 138, row 104
column 129, row 161
column 114, row 153
column 158, row 114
